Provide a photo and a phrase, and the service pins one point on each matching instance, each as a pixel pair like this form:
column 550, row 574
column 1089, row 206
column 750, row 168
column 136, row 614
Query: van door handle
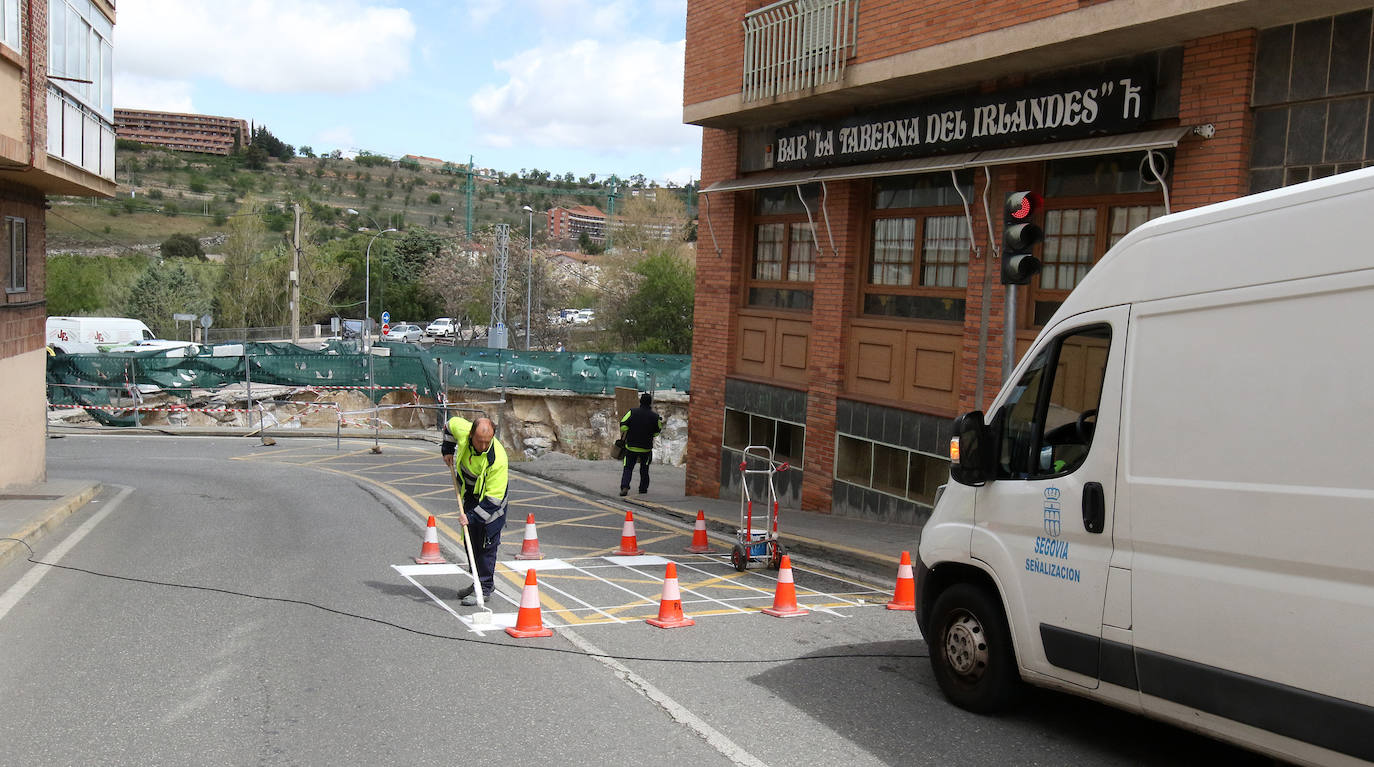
column 1094, row 507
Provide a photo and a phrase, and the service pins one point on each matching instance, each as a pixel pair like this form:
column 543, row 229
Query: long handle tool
column 483, row 614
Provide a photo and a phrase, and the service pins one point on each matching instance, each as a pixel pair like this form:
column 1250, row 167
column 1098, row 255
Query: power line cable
column 450, row 637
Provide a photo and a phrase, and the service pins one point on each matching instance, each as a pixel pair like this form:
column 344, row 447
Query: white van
column 63, row 331
column 1171, row 507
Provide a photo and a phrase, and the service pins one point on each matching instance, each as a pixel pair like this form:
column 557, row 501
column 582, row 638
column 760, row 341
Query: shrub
column 182, row 246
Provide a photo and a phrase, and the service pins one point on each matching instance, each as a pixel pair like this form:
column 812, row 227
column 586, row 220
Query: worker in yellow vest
column 471, row 450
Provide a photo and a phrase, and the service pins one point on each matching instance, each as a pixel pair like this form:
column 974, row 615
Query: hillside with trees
column 206, row 234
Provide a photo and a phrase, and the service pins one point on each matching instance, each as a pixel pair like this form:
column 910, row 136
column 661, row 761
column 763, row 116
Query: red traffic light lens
column 1023, row 205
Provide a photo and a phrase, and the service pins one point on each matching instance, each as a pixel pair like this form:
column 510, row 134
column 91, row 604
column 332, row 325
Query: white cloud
column 482, row 11
column 134, row 92
column 338, row 137
column 682, row 176
column 589, row 96
column 273, row 46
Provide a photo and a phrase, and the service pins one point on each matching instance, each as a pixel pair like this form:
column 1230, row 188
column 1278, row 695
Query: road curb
column 40, row 527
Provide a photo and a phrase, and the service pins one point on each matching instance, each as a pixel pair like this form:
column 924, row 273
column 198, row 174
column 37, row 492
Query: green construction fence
column 110, row 385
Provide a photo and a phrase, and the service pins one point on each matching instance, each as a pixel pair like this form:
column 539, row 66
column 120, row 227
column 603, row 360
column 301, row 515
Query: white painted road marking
column 16, row 592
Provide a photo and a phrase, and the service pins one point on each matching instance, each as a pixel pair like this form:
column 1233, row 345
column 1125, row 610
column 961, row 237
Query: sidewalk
column 872, row 548
column 28, row 512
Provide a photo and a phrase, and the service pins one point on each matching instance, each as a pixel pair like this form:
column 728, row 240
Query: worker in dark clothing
column 482, row 470
column 638, row 427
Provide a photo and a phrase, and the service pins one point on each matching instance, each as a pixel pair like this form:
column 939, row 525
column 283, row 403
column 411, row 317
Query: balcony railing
column 79, row 135
column 794, row 45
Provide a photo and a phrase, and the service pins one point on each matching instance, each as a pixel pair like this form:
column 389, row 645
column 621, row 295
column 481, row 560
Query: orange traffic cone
column 785, row 601
column 905, row 596
column 700, row 545
column 529, row 622
column 429, row 550
column 530, row 548
column 629, row 547
column 670, row 606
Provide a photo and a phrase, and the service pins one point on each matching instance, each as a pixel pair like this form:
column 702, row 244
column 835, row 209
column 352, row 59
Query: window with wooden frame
column 17, row 240
column 919, row 247
column 1091, row 203
column 783, row 264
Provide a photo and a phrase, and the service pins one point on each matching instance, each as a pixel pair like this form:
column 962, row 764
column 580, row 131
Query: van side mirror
column 971, row 450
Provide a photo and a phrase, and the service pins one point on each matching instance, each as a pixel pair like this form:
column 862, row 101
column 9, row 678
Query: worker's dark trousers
column 486, row 538
column 643, row 459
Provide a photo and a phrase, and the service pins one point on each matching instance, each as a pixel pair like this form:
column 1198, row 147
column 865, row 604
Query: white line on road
column 16, row 592
column 728, row 748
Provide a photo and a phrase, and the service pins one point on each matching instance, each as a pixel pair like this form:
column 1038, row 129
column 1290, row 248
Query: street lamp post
column 367, row 280
column 529, row 279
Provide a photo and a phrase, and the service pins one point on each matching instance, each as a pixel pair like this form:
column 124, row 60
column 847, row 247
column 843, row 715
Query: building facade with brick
column 208, row 134
column 854, row 172
column 569, row 224
column 56, row 138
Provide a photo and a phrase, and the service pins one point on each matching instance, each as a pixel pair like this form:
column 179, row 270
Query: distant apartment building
column 208, row 134
column 569, row 224
column 425, row 162
column 57, row 137
column 572, row 223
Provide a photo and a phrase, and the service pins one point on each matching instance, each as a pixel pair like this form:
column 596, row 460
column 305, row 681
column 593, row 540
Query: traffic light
column 1019, row 235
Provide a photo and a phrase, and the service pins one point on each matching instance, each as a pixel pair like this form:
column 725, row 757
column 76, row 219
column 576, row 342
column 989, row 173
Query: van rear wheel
column 970, row 650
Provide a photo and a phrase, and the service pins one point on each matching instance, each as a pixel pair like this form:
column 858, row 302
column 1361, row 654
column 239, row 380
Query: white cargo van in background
column 65, row 332
column 1171, row 506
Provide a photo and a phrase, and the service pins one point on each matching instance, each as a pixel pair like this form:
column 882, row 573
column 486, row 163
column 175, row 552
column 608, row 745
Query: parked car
column 404, row 333
column 584, row 317
column 442, row 327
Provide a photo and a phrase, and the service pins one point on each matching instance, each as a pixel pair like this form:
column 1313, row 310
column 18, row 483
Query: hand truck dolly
column 757, row 536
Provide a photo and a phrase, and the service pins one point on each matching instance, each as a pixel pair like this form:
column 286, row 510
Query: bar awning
column 1161, row 138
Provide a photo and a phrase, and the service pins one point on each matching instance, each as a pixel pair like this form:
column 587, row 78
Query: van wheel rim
column 966, row 646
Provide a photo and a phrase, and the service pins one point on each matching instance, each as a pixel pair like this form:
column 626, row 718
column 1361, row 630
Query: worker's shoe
column 465, row 592
column 624, row 491
column 470, row 600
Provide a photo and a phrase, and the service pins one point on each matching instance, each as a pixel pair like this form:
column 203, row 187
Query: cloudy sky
column 581, row 86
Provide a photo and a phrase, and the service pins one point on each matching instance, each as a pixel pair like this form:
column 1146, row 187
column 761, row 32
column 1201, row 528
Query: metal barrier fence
column 112, row 386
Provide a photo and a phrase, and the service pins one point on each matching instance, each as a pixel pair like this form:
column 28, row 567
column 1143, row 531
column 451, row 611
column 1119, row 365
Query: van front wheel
column 970, row 650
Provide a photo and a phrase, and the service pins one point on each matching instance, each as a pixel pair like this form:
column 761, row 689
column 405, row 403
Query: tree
column 163, row 290
column 273, row 146
column 182, row 246
column 648, row 283
column 255, row 157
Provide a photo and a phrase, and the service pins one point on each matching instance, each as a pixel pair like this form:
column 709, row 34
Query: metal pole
column 296, row 281
column 376, row 413
column 1008, row 335
column 248, row 385
column 529, row 279
column 367, row 298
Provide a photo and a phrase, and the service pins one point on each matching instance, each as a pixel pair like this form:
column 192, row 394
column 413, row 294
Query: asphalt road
column 238, row 604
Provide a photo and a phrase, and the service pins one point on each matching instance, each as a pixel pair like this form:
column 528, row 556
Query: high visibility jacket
column 482, row 476
column 639, row 427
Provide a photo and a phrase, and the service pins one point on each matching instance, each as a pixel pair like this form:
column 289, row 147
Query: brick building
column 183, row 132
column 56, row 137
column 854, row 168
column 571, row 223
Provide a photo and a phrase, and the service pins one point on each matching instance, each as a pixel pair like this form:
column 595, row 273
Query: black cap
column 645, row 399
